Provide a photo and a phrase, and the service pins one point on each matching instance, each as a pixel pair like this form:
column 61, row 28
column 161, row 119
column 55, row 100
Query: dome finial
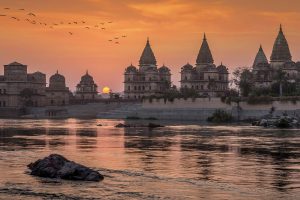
column 280, row 28
column 87, row 72
column 57, row 71
column 204, row 37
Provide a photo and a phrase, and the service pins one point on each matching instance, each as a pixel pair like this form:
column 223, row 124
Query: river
column 180, row 161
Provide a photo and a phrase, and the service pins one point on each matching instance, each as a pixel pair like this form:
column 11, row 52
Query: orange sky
column 234, row 29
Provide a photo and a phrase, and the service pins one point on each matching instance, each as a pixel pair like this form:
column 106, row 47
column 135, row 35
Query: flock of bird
column 33, row 18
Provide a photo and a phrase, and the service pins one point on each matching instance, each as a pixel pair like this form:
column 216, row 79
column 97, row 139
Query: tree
column 280, row 77
column 243, row 79
column 26, row 95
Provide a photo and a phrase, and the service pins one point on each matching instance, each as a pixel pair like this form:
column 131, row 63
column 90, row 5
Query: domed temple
column 205, row 78
column 57, row 92
column 146, row 80
column 18, row 88
column 281, row 59
column 86, row 90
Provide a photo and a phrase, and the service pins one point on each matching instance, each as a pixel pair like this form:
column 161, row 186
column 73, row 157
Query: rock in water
column 57, row 166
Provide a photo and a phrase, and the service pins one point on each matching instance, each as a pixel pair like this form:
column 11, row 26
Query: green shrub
column 220, row 116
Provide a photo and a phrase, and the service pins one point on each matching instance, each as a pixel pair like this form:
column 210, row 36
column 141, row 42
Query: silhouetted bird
column 96, row 26
column 109, row 22
column 83, row 22
column 124, row 36
column 110, row 40
column 6, row 8
column 117, row 42
column 70, row 33
column 2, row 15
column 116, row 38
column 103, row 28
column 31, row 14
column 87, row 27
column 102, row 23
column 75, row 22
column 22, row 9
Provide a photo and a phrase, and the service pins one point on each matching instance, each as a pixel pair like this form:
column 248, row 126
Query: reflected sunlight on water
column 175, row 162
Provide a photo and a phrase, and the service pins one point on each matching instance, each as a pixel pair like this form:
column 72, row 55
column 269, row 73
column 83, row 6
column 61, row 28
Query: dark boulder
column 57, row 166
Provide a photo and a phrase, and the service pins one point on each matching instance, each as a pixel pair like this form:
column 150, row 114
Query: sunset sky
column 234, row 29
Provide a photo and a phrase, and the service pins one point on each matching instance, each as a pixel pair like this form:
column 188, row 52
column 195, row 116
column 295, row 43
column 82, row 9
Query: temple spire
column 281, row 51
column 260, row 57
column 147, row 57
column 204, row 56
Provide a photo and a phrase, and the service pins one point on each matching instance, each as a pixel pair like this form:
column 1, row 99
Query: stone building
column 265, row 72
column 57, row 93
column 18, row 88
column 206, row 78
column 148, row 79
column 86, row 90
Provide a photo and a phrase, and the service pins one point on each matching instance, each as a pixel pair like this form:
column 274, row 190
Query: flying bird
column 70, row 33
column 75, row 22
column 83, row 22
column 102, row 23
column 124, row 36
column 6, row 8
column 110, row 40
column 116, row 38
column 109, row 22
column 31, row 14
column 87, row 27
column 2, row 15
column 96, row 26
column 117, row 43
column 22, row 9
column 103, row 28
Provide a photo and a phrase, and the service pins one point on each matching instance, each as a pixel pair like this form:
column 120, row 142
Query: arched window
column 128, row 88
column 52, row 102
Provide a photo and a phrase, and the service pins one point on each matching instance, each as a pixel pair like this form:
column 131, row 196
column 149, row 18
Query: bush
column 220, row 116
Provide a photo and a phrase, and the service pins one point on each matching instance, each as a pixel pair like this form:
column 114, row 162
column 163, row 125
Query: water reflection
column 86, row 139
column 244, row 159
column 12, row 139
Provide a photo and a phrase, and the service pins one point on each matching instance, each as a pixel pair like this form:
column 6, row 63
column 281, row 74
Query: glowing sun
column 106, row 90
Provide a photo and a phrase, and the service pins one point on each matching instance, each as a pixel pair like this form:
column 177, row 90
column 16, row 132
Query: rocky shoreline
column 283, row 121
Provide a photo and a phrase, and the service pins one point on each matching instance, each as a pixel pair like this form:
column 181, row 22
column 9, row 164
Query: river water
column 175, row 162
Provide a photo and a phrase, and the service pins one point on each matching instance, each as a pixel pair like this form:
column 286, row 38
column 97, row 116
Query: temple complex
column 86, row 90
column 57, row 92
column 265, row 72
column 148, row 79
column 205, row 78
column 18, row 88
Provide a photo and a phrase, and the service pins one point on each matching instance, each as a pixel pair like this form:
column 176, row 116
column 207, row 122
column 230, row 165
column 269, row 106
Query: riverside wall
column 198, row 109
column 201, row 108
